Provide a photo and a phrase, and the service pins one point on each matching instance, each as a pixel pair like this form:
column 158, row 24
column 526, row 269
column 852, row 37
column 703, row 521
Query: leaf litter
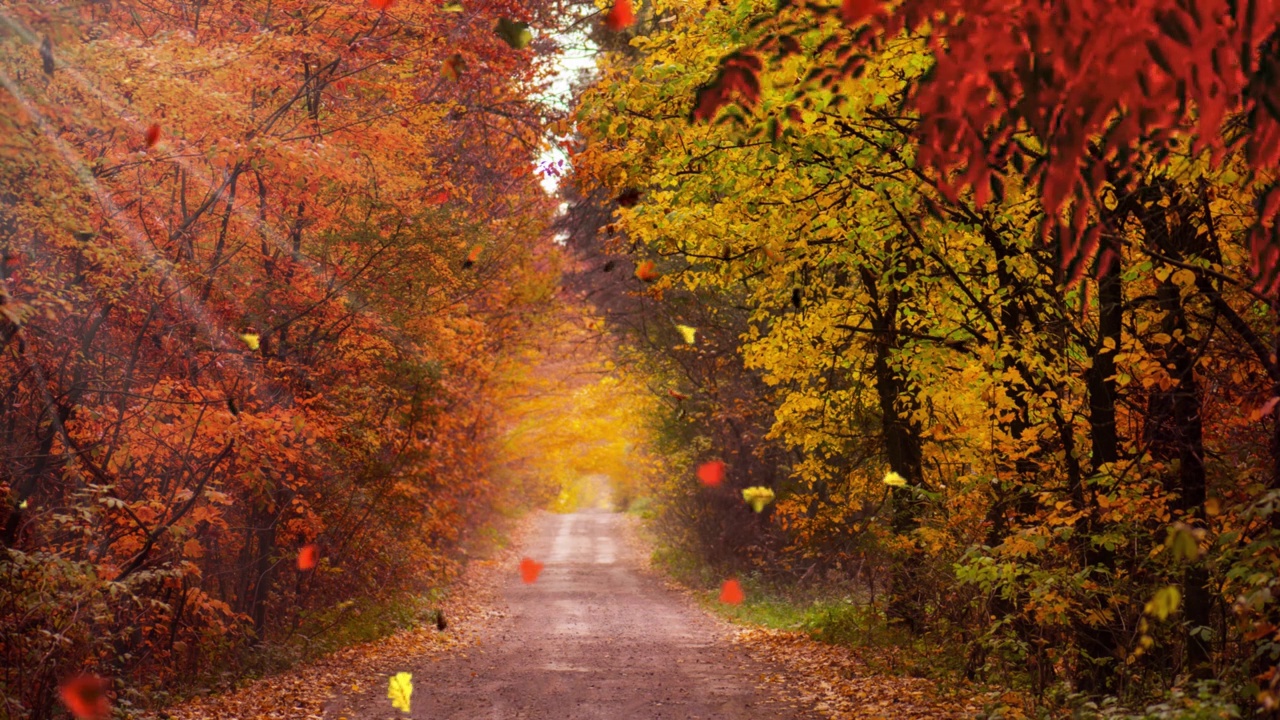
column 322, row 688
column 839, row 684
column 834, row 681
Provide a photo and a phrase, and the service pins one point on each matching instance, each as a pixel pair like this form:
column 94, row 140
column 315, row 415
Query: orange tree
column 258, row 260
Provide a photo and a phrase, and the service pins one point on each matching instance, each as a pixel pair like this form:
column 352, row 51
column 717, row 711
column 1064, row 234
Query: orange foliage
column 254, row 335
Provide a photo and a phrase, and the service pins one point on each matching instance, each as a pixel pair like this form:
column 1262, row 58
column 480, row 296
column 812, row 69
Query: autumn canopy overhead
column 942, row 331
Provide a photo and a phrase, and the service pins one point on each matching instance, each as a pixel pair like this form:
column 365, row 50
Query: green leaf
column 516, row 33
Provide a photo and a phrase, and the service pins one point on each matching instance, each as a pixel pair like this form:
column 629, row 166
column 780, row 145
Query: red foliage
column 731, row 592
column 855, row 11
column 529, row 570
column 380, row 4
column 620, row 16
column 711, row 473
column 153, row 135
column 1094, row 81
column 86, row 697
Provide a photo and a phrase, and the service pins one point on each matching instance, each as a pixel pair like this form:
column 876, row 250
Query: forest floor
column 597, row 635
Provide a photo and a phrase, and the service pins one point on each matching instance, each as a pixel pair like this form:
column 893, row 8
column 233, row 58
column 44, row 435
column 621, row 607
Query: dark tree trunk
column 1174, row 430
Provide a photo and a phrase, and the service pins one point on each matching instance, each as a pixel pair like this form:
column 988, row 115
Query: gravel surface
column 596, row 636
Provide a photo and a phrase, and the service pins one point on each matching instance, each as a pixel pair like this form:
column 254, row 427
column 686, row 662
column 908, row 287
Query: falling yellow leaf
column 251, row 340
column 688, row 333
column 893, row 479
column 757, row 497
column 400, row 689
column 1184, row 541
column 1164, row 603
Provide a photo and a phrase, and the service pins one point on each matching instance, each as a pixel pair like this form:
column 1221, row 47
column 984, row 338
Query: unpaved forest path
column 595, row 637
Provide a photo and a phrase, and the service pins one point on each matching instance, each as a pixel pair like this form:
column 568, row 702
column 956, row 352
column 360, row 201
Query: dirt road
column 595, row 637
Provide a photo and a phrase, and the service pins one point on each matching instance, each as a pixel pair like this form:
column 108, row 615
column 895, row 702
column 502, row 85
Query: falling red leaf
column 308, row 556
column 153, row 134
column 620, row 16
column 472, row 256
column 711, row 473
column 738, row 80
column 855, row 11
column 731, row 593
column 529, row 570
column 454, row 66
column 380, row 4
column 1266, row 409
column 628, row 198
column 86, row 697
column 646, row 272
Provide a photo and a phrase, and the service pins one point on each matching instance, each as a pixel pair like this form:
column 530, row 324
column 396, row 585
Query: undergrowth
column 826, row 612
column 832, row 614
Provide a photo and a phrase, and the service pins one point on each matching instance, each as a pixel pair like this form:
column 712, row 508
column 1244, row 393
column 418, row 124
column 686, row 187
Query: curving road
column 595, row 637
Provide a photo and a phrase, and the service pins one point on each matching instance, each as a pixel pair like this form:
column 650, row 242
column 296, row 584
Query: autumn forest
column 938, row 336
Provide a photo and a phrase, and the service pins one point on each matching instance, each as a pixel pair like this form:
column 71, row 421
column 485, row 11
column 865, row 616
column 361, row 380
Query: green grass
column 837, row 615
column 642, row 507
column 824, row 616
column 353, row 622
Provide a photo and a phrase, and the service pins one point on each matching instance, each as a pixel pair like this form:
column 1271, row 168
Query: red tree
column 1062, row 87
